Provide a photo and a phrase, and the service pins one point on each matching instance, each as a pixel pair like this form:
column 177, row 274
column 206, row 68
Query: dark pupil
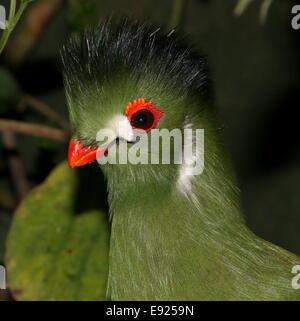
column 142, row 119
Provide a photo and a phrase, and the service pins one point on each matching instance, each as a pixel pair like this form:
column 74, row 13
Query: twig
column 31, row 29
column 45, row 110
column 15, row 165
column 12, row 21
column 33, row 129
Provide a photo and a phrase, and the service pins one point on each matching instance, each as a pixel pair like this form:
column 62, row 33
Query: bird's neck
column 160, row 236
column 167, row 245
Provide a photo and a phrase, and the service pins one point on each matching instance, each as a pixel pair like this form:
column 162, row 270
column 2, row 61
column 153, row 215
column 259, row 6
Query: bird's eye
column 143, row 114
column 142, row 119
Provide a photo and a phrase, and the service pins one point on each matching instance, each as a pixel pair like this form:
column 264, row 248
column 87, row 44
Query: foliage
column 13, row 19
column 242, row 5
column 57, row 250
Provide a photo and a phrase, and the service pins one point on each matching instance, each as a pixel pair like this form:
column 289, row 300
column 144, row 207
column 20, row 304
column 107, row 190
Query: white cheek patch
column 185, row 177
column 122, row 127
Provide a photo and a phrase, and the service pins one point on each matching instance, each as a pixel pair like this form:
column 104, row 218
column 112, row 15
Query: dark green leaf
column 56, row 249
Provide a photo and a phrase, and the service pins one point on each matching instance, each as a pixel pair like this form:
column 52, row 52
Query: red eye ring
column 143, row 115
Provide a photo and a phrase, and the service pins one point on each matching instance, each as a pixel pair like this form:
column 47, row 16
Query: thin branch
column 33, row 129
column 31, row 29
column 16, row 166
column 44, row 109
column 12, row 21
column 12, row 9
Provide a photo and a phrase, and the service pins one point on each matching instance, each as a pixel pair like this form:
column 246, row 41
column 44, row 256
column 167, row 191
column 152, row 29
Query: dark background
column 255, row 71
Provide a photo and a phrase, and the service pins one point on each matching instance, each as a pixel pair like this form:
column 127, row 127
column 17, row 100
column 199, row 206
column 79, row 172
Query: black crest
column 102, row 51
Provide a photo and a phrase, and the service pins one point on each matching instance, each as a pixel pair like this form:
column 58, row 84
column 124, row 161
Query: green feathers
column 174, row 236
column 110, row 66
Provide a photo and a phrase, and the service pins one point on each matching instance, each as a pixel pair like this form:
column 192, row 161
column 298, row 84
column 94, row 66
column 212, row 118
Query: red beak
column 79, row 155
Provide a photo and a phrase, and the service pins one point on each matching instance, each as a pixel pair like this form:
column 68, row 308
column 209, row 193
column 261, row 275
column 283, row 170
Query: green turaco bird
column 174, row 235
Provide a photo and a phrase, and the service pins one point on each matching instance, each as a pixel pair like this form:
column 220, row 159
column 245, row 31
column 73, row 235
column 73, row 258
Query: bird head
column 122, row 82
